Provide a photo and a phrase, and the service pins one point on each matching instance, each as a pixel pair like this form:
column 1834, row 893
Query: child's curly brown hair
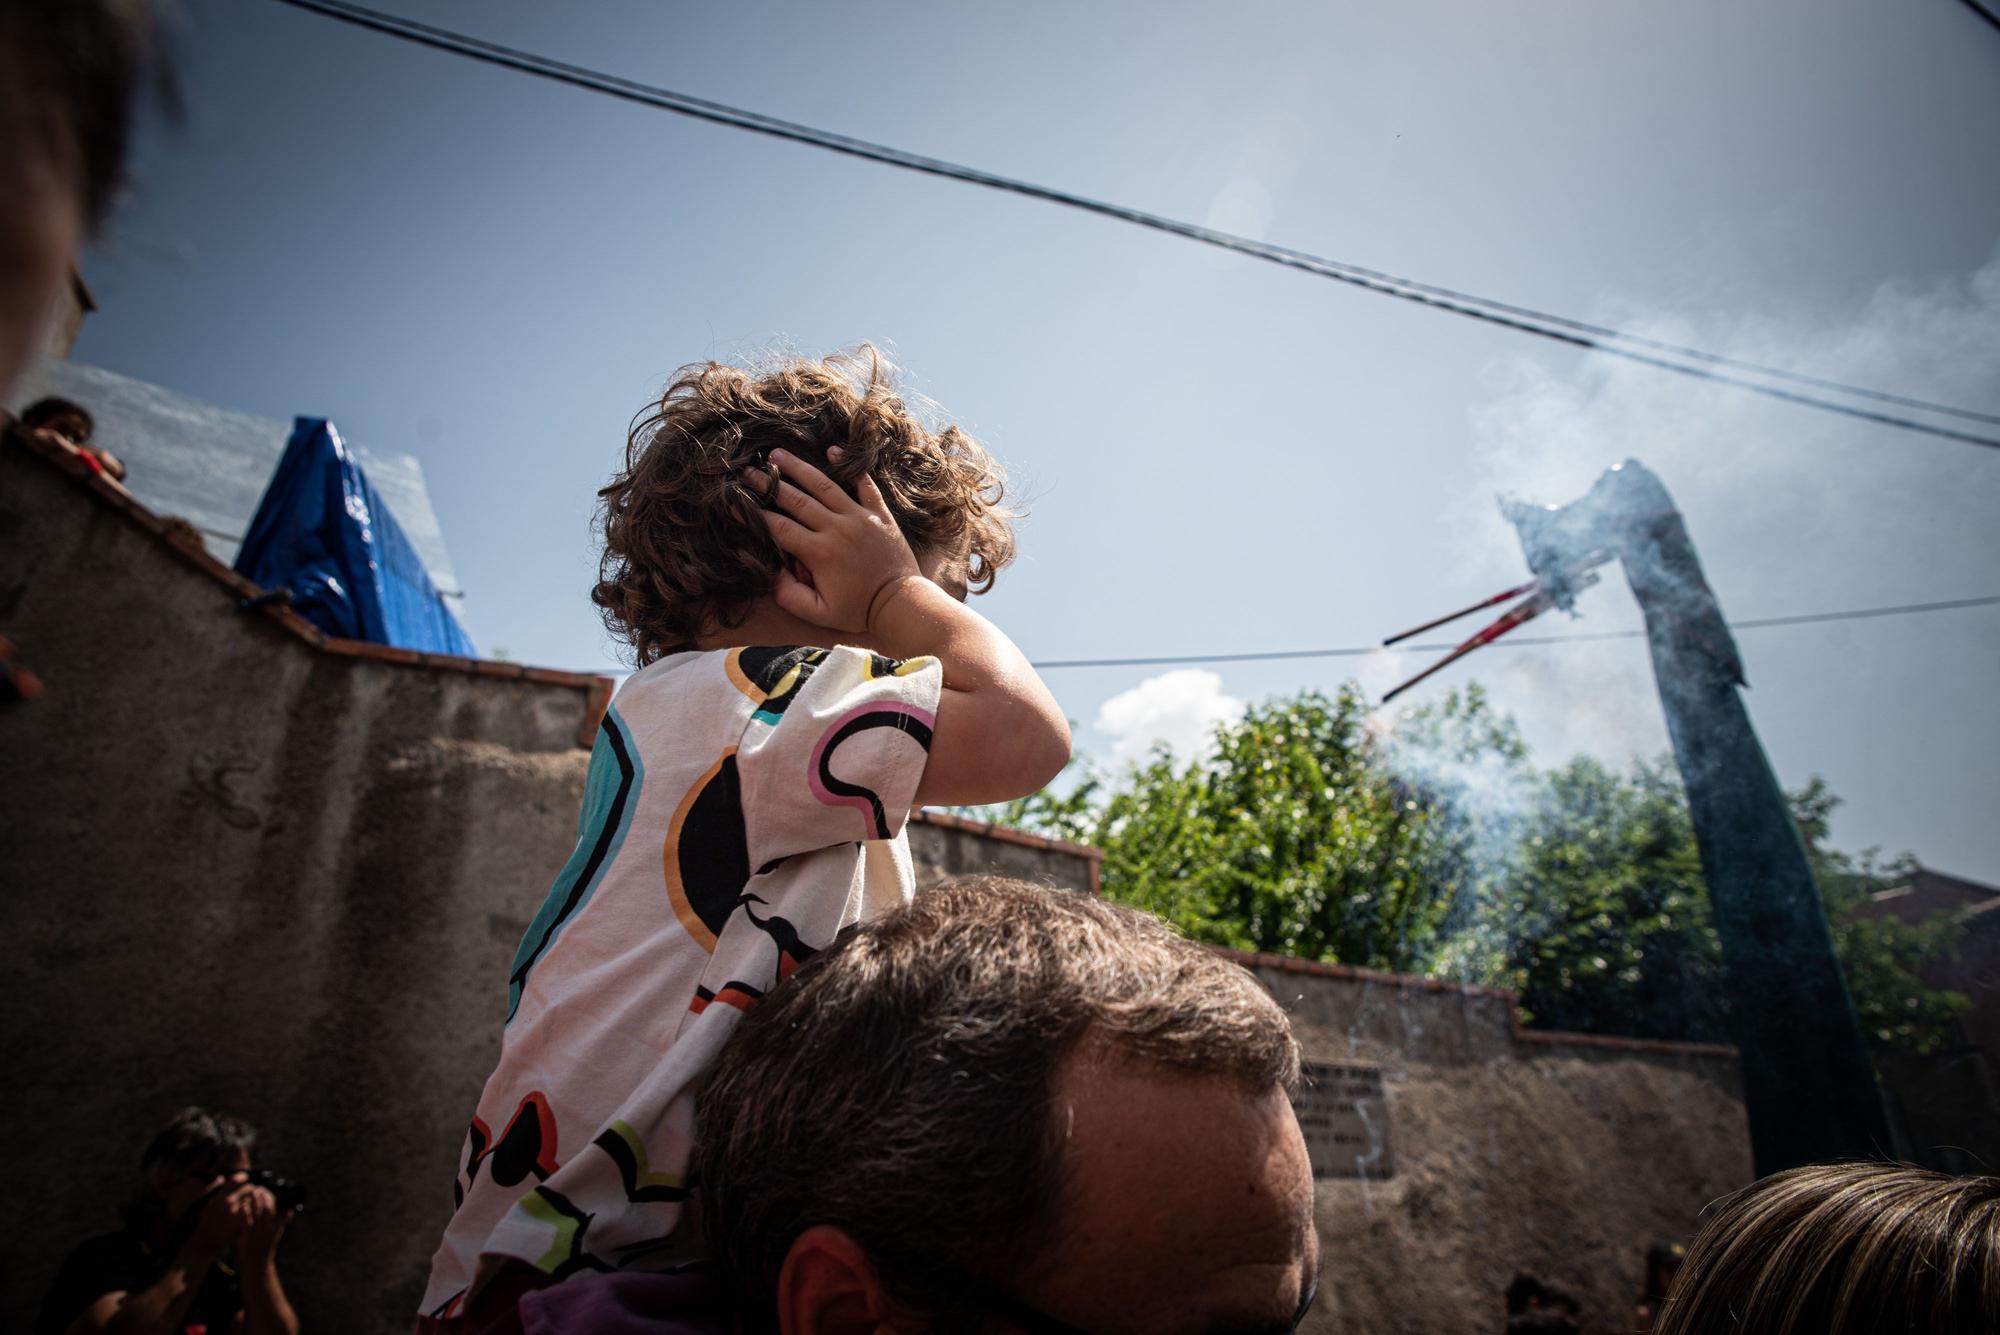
column 685, row 550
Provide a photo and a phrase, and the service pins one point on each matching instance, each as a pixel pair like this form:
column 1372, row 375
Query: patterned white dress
column 742, row 806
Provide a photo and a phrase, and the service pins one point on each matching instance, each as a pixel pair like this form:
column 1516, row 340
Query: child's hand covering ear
column 853, row 554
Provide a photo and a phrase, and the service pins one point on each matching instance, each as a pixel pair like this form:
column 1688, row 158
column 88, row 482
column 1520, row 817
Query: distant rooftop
column 1929, row 892
column 210, row 465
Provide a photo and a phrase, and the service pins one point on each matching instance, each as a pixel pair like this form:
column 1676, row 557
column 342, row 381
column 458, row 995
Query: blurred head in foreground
column 1845, row 1249
column 1007, row 1107
column 69, row 70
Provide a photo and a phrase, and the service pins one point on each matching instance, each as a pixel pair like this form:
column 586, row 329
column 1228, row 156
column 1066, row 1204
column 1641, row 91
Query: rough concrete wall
column 1511, row 1152
column 944, row 846
column 244, row 873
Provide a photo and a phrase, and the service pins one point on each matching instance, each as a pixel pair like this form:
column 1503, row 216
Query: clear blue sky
column 494, row 273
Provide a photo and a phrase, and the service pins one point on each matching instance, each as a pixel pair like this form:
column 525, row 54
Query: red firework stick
column 1480, row 606
column 1512, row 619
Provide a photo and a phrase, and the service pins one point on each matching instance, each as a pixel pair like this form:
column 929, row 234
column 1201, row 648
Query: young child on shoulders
column 788, row 555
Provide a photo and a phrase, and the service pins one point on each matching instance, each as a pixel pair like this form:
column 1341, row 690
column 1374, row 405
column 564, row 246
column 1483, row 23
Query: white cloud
column 1179, row 708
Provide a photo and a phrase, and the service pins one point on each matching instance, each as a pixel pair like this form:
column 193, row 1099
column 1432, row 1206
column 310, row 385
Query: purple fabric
column 626, row 1302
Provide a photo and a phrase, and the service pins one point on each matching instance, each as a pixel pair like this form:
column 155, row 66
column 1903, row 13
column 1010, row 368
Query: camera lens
column 290, row 1195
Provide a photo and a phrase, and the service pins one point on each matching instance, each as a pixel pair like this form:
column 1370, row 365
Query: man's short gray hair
column 899, row 1086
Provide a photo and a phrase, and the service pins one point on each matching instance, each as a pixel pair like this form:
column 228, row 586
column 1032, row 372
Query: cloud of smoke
column 1793, row 510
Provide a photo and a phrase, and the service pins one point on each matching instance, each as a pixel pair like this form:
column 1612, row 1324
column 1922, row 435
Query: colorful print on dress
column 757, row 788
column 707, row 854
column 622, row 1143
column 771, row 675
column 835, row 791
column 566, row 1255
column 610, row 794
column 879, row 667
column 527, row 1148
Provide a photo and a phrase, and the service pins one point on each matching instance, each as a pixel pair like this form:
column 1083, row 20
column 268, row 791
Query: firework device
column 1807, row 1082
column 1537, row 596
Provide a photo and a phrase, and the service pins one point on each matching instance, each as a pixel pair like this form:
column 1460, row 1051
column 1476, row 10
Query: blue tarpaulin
column 323, row 532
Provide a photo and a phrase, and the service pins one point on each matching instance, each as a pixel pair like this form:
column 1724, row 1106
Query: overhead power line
column 1983, row 12
column 1523, row 319
column 1361, row 651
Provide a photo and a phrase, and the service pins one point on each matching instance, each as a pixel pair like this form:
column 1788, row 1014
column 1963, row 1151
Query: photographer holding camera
column 198, row 1252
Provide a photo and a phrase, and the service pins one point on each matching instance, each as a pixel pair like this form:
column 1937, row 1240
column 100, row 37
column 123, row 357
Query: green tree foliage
column 1604, row 924
column 1881, row 955
column 1599, row 921
column 1287, row 837
column 1438, row 848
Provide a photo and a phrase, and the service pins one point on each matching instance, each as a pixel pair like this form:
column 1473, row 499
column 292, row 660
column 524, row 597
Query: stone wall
column 1506, row 1150
column 259, row 870
column 944, row 846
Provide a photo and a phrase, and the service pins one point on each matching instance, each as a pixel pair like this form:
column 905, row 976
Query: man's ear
column 828, row 1286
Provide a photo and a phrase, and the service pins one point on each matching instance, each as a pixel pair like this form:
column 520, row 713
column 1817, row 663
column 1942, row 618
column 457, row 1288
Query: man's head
column 68, row 72
column 686, row 552
column 1005, row 1095
column 190, row 1156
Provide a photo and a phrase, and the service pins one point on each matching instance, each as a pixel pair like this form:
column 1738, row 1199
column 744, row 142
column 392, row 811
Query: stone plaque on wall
column 1345, row 1118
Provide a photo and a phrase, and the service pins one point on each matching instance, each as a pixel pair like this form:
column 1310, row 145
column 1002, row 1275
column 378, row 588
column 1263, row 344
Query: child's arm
column 999, row 734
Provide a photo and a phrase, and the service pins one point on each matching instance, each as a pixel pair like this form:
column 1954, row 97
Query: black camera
column 291, row 1196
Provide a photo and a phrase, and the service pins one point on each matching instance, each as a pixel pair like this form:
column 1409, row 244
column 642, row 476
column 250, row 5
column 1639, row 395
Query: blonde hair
column 1845, row 1249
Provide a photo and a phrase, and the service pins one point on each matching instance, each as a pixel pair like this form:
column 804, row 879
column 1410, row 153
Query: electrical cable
column 1754, row 623
column 1983, row 12
column 1522, row 319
